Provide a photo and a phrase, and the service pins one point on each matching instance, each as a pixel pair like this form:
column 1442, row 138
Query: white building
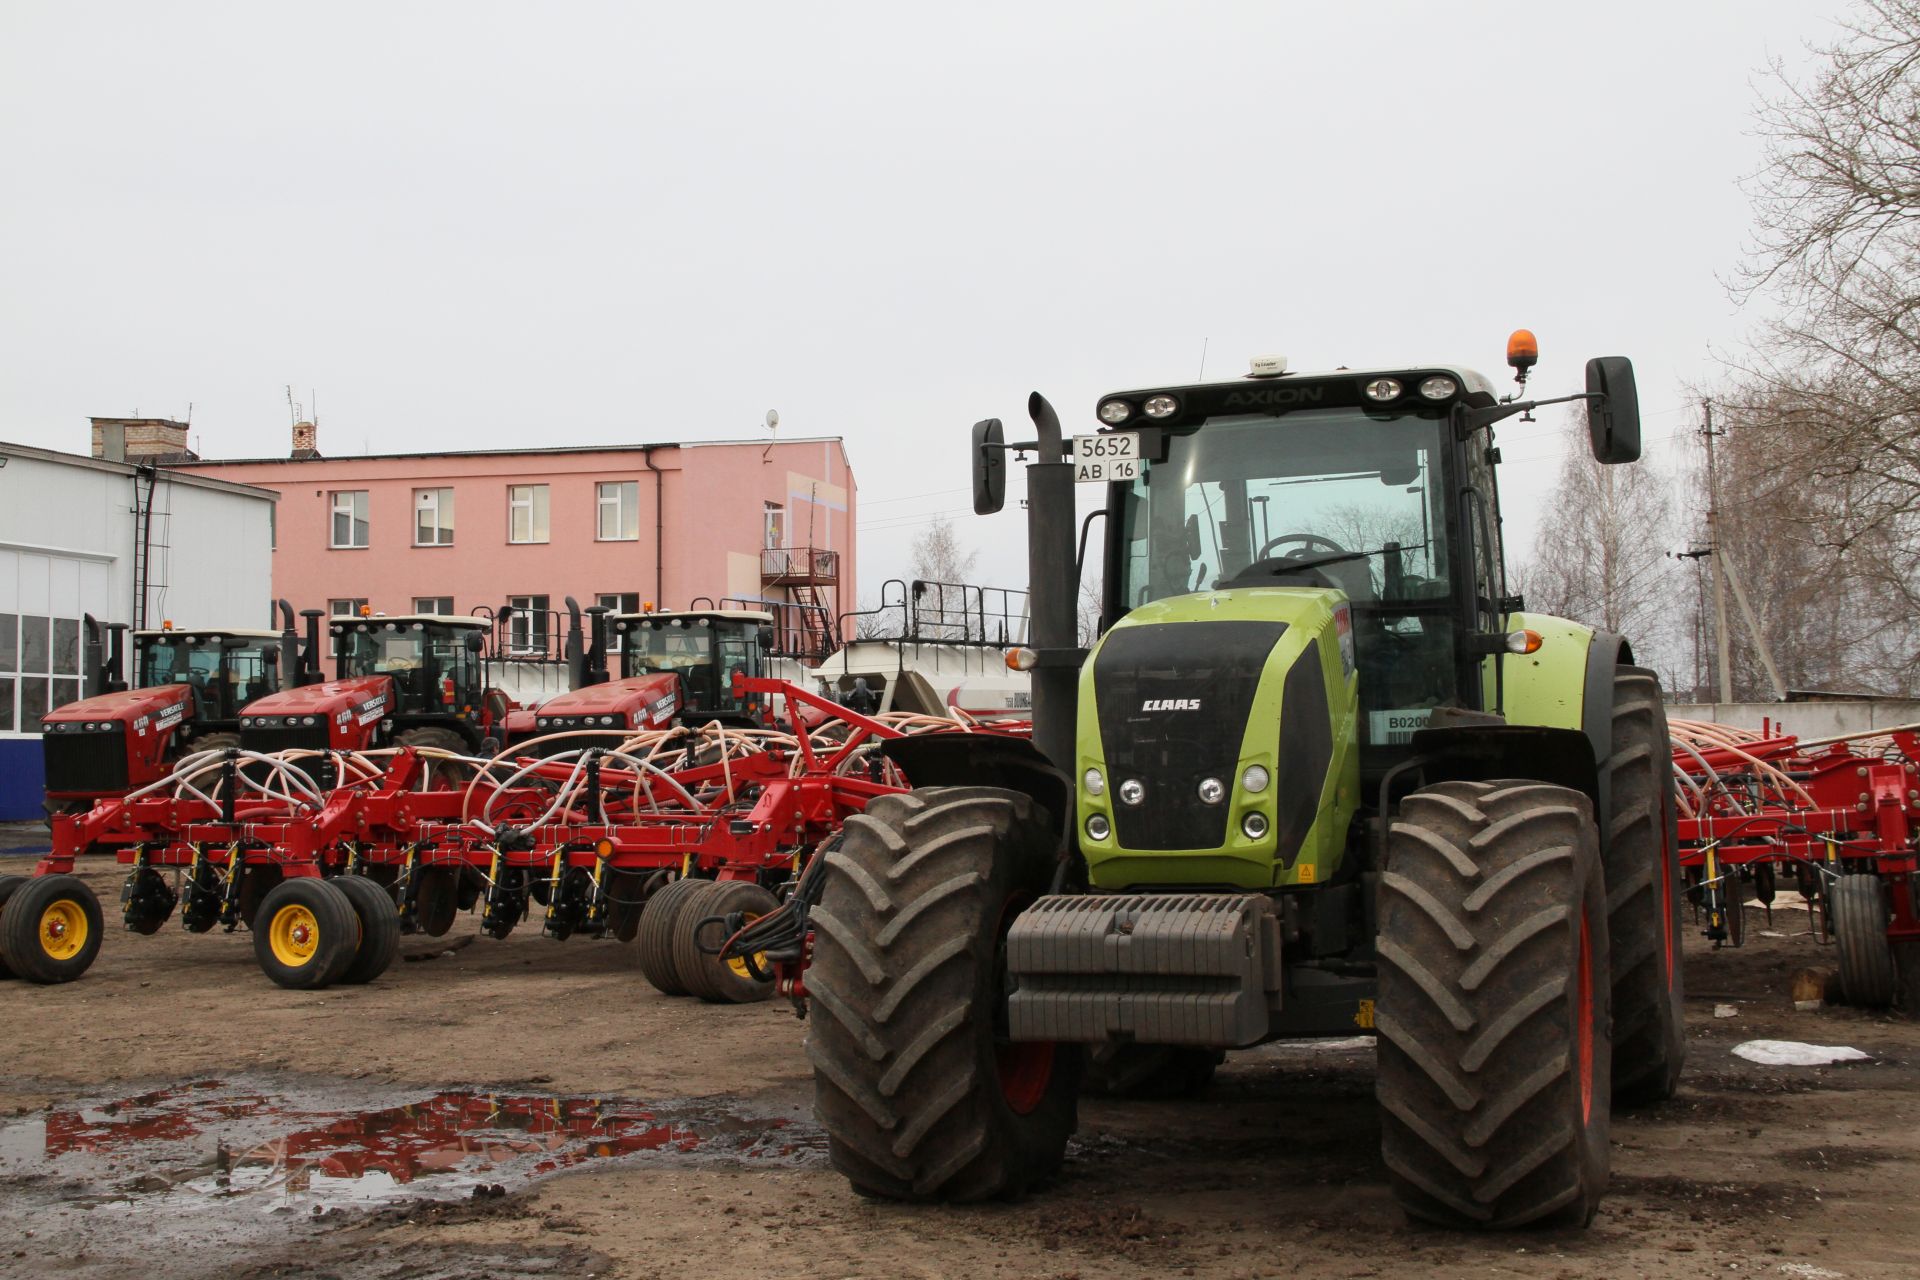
column 123, row 543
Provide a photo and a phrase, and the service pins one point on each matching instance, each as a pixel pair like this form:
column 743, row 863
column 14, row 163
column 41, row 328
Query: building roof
column 489, row 453
column 174, row 471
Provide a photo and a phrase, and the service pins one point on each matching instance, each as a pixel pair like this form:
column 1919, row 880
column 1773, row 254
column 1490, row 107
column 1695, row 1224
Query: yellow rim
column 739, row 963
column 63, row 929
column 294, row 935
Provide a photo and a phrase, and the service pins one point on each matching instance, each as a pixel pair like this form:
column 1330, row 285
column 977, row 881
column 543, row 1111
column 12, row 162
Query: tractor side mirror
column 989, row 467
column 1193, row 538
column 765, row 637
column 475, row 642
column 1613, row 420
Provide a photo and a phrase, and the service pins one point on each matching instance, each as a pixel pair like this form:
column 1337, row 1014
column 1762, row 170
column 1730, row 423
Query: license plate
column 1107, row 457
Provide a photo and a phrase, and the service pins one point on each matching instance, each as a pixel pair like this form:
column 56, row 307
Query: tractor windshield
column 1358, row 500
column 432, row 667
column 1333, row 498
column 224, row 676
column 704, row 652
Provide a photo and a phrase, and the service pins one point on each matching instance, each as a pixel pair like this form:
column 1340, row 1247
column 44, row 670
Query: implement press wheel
column 307, row 933
column 1642, row 873
column 715, row 980
column 1495, row 1062
column 50, row 929
column 921, row 1094
column 1861, row 913
column 659, row 921
column 379, row 920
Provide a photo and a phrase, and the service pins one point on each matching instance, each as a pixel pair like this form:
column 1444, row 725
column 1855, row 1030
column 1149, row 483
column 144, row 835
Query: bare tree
column 1601, row 558
column 938, row 555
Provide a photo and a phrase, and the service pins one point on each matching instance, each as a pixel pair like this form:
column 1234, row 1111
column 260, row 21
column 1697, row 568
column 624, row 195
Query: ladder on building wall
column 814, row 621
column 152, row 534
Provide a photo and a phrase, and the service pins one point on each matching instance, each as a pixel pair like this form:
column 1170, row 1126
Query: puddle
column 280, row 1150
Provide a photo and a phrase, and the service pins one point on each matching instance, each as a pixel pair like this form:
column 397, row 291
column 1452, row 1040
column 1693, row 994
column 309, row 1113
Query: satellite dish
column 773, row 419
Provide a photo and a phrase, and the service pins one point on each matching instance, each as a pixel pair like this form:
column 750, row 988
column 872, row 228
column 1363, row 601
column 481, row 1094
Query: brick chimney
column 305, row 440
column 141, row 440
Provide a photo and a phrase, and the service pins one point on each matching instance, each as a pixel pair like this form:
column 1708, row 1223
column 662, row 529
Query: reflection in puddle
column 212, row 1139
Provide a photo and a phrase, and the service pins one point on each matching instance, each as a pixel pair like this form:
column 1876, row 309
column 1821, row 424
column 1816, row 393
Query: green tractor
column 1321, row 775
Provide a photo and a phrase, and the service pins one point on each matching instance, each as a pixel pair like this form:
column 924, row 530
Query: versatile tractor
column 189, row 686
column 1320, row 774
column 411, row 680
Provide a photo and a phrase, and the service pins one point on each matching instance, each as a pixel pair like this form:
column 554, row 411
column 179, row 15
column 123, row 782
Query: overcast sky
column 470, row 225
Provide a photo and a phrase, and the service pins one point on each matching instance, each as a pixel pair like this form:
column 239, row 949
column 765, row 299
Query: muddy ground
column 532, row 1108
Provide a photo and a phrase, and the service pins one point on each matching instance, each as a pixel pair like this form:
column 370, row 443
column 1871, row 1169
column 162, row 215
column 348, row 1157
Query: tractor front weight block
column 1196, row 969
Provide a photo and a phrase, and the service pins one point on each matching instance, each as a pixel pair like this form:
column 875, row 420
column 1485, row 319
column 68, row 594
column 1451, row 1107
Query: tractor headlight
column 1254, row 825
column 1160, row 406
column 1115, row 412
column 607, row 720
column 310, row 721
column 1212, row 790
column 1095, row 784
column 1132, row 791
column 1438, row 388
column 1255, row 779
column 1097, row 826
column 1384, row 389
column 544, row 723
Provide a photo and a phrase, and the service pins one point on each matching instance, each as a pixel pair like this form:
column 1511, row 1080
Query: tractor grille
column 1216, row 665
column 306, row 737
column 91, row 762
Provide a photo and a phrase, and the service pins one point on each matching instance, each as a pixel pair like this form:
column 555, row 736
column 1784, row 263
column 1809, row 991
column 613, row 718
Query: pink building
column 621, row 526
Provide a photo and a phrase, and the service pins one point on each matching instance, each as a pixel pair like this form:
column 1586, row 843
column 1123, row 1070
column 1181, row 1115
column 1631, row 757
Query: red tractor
column 190, row 685
column 415, row 680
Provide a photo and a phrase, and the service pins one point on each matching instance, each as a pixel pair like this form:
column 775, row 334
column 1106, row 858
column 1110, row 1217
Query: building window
column 442, row 605
column 774, row 520
column 344, row 609
column 350, row 518
column 530, row 625
column 617, row 602
column 526, row 513
column 433, row 517
column 9, row 666
column 32, row 649
column 619, row 510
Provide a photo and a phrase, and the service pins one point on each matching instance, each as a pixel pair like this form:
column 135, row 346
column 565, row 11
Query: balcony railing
column 791, row 565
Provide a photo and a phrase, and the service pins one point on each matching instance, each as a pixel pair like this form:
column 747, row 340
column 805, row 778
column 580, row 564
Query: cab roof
column 195, row 633
column 724, row 615
column 443, row 619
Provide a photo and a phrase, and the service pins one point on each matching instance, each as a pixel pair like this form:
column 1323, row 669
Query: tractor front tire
column 306, row 933
column 379, row 920
column 441, row 775
column 8, row 884
column 1642, row 872
column 1861, row 913
column 715, row 980
column 653, row 944
column 50, row 929
column 1494, row 1052
column 920, row 1093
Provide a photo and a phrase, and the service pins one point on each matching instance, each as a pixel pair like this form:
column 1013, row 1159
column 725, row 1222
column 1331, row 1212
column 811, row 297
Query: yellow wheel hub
column 739, row 963
column 294, row 935
column 63, row 929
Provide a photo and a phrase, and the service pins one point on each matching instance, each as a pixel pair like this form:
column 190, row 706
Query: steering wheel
column 1307, row 541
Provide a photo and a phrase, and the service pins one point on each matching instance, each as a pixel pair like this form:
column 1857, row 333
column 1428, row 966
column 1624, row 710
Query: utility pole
column 1719, row 571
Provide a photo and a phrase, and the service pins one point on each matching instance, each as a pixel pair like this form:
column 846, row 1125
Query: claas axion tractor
column 188, row 688
column 1319, row 775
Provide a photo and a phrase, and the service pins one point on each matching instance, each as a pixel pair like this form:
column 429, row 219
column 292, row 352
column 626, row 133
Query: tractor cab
column 706, row 650
column 436, row 662
column 224, row 669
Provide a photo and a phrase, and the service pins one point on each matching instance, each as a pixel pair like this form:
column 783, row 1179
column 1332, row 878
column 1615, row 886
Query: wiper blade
column 1316, row 561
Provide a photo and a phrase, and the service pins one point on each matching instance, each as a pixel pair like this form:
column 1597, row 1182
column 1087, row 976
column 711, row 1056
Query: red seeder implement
column 1840, row 816
column 328, row 857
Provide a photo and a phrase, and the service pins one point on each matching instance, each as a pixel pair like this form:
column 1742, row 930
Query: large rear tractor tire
column 306, row 934
column 50, row 930
column 1494, row 1055
column 920, row 1093
column 653, row 944
column 1861, row 912
column 1156, row 1072
column 1644, row 889
column 379, row 920
column 715, row 980
column 441, row 775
